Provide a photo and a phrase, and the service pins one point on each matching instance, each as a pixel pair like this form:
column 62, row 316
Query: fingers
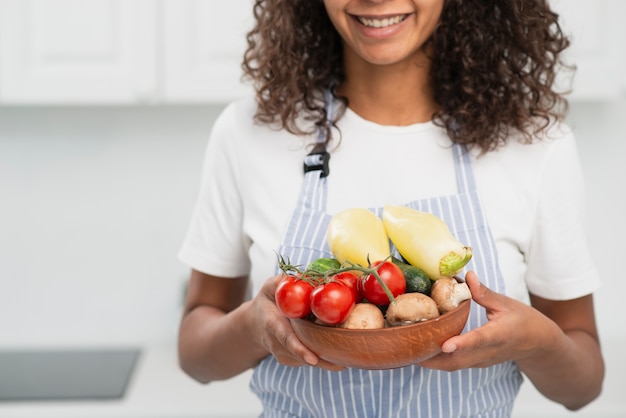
column 476, row 288
column 500, row 339
column 477, row 348
column 300, row 353
column 281, row 340
column 270, row 286
column 299, row 350
column 473, row 340
column 482, row 295
column 287, row 348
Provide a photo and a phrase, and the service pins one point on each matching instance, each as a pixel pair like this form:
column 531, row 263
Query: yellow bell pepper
column 357, row 234
column 425, row 241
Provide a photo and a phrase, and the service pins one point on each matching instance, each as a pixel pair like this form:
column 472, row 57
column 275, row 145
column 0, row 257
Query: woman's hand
column 273, row 331
column 222, row 334
column 554, row 343
column 514, row 331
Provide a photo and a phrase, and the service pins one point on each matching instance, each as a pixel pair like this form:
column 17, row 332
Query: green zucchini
column 416, row 279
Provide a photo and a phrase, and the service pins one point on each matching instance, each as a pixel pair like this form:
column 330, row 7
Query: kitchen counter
column 157, row 389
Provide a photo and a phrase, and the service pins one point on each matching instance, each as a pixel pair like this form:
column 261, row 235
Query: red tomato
column 332, row 302
column 391, row 275
column 293, row 297
column 351, row 280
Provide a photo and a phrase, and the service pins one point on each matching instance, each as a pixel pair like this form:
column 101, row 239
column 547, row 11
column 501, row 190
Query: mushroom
column 411, row 307
column 448, row 293
column 364, row 316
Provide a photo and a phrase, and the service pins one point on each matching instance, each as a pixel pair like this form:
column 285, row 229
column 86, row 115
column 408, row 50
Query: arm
column 221, row 334
column 571, row 370
column 211, row 335
column 554, row 343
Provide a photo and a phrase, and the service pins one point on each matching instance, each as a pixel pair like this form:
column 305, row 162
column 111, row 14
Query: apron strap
column 464, row 173
column 316, row 167
column 318, row 158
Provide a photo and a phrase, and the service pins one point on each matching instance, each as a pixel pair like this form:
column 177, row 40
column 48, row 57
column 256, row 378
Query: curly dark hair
column 494, row 64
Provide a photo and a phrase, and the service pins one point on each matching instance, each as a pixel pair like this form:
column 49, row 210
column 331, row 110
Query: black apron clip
column 318, row 160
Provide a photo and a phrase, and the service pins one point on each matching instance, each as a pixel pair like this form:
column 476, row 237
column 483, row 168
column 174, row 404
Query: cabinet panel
column 77, row 51
column 204, row 42
column 598, row 50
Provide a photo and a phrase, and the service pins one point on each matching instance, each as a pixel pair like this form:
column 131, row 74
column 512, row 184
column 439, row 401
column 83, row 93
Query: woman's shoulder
column 553, row 138
column 527, row 165
column 237, row 113
column 556, row 134
column 237, row 121
column 235, row 125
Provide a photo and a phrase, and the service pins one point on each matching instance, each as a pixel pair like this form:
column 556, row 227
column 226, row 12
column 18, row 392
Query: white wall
column 94, row 204
column 599, row 128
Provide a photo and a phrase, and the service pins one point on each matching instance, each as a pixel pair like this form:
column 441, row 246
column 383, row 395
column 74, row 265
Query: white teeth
column 381, row 23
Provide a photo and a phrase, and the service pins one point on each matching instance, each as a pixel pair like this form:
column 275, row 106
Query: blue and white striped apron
column 410, row 391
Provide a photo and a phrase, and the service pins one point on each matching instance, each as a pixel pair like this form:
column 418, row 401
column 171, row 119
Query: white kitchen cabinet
column 204, row 42
column 122, row 51
column 190, row 51
column 598, row 50
column 77, row 51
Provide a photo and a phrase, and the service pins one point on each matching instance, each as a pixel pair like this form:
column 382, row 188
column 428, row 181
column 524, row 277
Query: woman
column 424, row 103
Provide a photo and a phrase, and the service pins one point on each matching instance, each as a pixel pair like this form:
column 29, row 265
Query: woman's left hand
column 513, row 331
column 554, row 343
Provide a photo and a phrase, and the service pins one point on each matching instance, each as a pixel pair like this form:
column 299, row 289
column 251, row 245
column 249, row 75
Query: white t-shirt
column 532, row 194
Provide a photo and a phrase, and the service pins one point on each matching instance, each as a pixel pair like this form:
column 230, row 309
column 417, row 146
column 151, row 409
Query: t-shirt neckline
column 350, row 115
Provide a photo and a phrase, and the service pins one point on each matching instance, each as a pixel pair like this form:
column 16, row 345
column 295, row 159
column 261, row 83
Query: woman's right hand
column 221, row 334
column 273, row 331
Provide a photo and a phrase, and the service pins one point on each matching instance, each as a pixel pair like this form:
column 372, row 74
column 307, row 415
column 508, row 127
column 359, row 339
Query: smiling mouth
column 381, row 23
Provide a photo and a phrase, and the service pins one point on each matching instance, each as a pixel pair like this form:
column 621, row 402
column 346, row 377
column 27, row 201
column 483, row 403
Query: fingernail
column 448, row 348
column 312, row 360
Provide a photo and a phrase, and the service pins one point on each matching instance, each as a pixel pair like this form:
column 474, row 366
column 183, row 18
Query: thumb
column 481, row 294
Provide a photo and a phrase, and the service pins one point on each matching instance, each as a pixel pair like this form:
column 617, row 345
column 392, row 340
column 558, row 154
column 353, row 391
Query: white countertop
column 158, row 389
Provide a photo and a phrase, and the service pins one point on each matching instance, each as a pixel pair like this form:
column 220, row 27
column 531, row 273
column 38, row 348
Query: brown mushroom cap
column 364, row 316
column 448, row 293
column 411, row 307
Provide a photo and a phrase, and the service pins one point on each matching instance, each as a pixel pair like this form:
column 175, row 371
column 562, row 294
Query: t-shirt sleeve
column 560, row 264
column 215, row 243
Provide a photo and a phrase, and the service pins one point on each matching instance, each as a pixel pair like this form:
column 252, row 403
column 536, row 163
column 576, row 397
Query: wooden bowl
column 384, row 348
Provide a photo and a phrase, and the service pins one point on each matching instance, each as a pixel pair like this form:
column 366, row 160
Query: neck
column 397, row 95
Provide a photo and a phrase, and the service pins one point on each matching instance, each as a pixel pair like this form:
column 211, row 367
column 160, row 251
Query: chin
column 387, row 56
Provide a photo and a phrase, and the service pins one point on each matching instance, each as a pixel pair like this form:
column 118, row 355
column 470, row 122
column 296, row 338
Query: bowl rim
column 464, row 305
column 311, row 331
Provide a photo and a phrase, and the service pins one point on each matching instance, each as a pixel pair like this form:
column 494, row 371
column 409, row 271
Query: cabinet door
column 77, row 51
column 204, row 42
column 597, row 31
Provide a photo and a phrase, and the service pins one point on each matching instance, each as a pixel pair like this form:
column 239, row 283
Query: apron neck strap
column 463, row 165
column 318, row 158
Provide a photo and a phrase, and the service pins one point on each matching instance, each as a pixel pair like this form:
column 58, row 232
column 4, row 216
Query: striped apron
column 410, row 391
